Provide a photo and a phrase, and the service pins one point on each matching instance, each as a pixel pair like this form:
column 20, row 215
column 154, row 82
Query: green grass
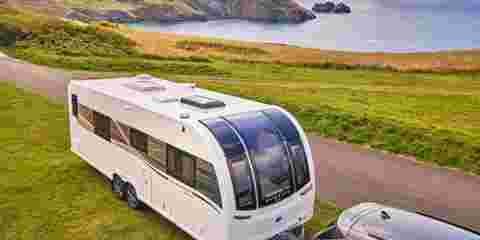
column 67, row 38
column 192, row 45
column 324, row 214
column 119, row 64
column 99, row 4
column 47, row 192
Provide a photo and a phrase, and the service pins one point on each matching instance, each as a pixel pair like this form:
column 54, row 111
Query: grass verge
column 46, row 192
column 118, row 64
column 192, row 45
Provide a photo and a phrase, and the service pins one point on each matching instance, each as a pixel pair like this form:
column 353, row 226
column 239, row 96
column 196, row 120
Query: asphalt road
column 346, row 174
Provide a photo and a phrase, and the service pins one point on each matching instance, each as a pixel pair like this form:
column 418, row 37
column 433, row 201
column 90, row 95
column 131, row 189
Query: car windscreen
column 268, row 154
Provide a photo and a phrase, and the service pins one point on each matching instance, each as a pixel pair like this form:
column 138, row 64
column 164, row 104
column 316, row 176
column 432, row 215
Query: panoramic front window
column 268, row 155
column 295, row 145
column 238, row 164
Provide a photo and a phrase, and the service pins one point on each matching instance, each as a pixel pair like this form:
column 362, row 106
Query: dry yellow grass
column 165, row 44
column 47, row 7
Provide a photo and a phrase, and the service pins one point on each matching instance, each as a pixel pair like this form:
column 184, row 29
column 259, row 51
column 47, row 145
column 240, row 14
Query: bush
column 192, row 45
column 121, row 64
column 8, row 35
column 169, row 58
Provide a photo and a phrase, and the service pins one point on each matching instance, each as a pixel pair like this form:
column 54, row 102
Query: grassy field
column 168, row 44
column 95, row 4
column 46, row 192
column 432, row 116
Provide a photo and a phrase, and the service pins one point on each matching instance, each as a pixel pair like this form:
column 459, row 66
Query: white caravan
column 218, row 166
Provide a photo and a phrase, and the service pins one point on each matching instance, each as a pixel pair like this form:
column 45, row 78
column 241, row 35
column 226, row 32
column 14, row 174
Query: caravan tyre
column 118, row 186
column 132, row 199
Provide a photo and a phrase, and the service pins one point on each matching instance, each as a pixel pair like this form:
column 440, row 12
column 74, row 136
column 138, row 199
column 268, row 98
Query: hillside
column 169, row 10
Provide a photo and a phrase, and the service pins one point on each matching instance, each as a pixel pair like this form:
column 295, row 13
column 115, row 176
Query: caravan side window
column 139, row 140
column 74, row 105
column 188, row 168
column 85, row 117
column 206, row 181
column 181, row 165
column 194, row 172
column 174, row 167
column 101, row 125
column 157, row 152
column 120, row 134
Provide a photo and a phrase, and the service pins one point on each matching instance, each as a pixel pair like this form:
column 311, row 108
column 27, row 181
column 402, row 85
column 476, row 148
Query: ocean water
column 374, row 25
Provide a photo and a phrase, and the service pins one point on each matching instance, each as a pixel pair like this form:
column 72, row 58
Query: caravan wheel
column 117, row 186
column 132, row 199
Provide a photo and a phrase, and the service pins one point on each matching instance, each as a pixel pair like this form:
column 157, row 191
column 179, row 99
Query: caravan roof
column 171, row 99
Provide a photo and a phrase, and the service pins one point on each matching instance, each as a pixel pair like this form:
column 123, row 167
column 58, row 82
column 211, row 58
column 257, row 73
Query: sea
column 373, row 26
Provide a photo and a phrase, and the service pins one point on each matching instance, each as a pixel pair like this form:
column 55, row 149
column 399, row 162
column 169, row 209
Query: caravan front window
column 237, row 163
column 265, row 155
column 268, row 155
column 295, row 145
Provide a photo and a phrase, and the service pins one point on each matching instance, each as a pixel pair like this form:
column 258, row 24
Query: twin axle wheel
column 125, row 191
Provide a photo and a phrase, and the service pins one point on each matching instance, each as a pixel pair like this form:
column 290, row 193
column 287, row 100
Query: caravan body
column 218, row 166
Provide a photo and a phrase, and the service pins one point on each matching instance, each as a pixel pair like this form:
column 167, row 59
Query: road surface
column 346, row 174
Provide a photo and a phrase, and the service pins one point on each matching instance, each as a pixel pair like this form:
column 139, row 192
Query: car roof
column 392, row 223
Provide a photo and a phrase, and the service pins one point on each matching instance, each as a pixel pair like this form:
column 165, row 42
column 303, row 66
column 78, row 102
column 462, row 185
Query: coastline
column 291, row 13
column 284, row 44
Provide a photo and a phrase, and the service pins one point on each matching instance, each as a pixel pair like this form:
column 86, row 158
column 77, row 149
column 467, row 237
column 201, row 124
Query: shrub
column 8, row 35
column 121, row 64
column 192, row 45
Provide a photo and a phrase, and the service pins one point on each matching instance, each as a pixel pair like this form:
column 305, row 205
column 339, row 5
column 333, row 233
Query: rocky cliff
column 263, row 10
column 172, row 10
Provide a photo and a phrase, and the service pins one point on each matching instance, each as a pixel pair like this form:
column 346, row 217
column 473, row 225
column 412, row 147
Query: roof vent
column 145, row 86
column 144, row 77
column 202, row 102
column 184, row 115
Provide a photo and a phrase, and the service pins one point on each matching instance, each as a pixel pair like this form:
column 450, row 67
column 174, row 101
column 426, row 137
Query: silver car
column 372, row 221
